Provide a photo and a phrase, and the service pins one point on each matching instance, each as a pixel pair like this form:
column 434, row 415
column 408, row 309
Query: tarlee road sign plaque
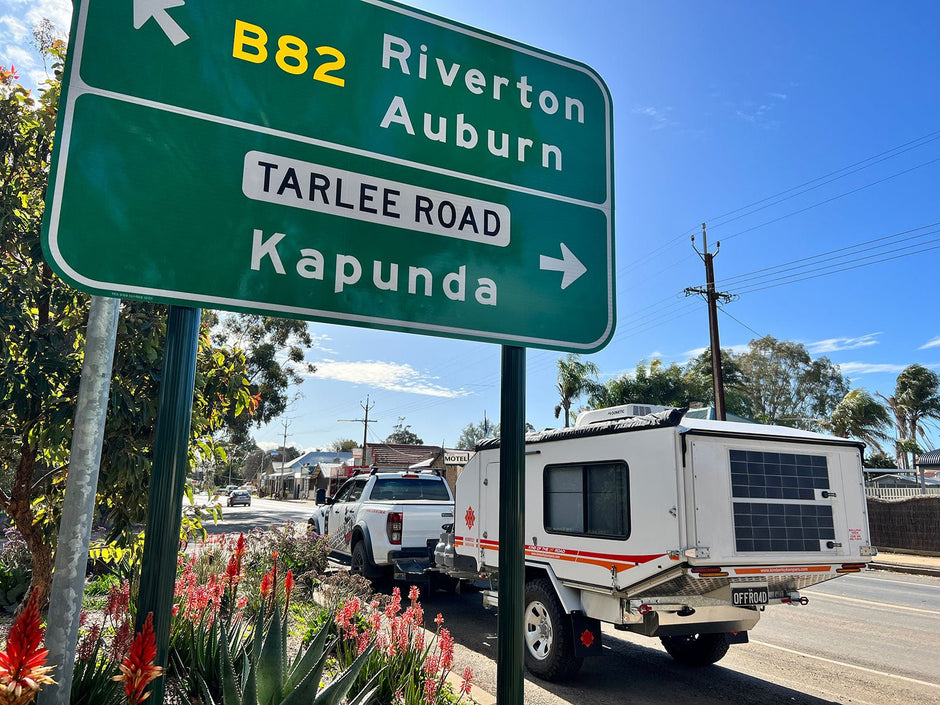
column 355, row 162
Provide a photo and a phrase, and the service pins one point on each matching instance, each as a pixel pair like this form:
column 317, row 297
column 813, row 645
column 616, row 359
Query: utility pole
column 365, row 425
column 712, row 297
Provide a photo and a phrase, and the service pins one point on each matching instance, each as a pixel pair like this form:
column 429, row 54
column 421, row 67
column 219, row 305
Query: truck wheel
column 549, row 646
column 359, row 563
column 696, row 649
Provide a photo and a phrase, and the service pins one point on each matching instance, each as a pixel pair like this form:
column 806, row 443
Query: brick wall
column 912, row 523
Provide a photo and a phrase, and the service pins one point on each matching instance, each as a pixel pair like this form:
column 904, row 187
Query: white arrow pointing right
column 569, row 265
column 145, row 9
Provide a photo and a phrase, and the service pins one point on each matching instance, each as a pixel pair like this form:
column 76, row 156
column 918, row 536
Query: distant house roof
column 904, row 479
column 930, row 459
column 315, row 457
column 398, row 455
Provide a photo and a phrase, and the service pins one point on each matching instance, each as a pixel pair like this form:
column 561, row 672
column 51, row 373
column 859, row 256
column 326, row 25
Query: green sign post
column 356, row 162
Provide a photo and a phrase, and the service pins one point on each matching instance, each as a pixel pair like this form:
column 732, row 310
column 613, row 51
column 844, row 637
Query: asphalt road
column 866, row 639
column 869, row 639
column 262, row 513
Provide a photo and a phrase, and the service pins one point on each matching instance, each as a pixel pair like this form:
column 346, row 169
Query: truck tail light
column 393, row 527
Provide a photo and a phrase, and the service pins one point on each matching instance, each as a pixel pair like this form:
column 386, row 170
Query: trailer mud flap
column 587, row 635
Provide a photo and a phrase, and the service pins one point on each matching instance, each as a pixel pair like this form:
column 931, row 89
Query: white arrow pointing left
column 569, row 265
column 145, row 9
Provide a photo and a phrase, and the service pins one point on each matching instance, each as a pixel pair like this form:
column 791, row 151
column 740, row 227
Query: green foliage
column 197, row 662
column 343, row 445
column 272, row 679
column 473, row 433
column 102, row 584
column 403, row 435
column 267, row 342
column 880, row 460
column 859, row 415
column 784, row 385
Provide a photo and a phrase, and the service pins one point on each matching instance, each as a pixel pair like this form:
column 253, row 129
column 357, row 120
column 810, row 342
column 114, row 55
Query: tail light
column 393, row 527
column 710, row 572
column 851, row 567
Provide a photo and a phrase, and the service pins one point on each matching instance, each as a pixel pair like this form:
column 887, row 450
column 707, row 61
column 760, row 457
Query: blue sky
column 804, row 133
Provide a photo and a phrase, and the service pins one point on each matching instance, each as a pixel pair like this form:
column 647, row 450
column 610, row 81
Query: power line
column 800, row 189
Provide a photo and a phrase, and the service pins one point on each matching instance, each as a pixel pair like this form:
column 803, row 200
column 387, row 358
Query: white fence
column 900, row 492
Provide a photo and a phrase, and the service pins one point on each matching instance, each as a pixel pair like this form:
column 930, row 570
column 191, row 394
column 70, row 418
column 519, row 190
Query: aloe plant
column 268, row 678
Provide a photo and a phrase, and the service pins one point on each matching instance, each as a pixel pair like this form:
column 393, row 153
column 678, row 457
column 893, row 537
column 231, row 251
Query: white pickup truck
column 383, row 520
column 665, row 526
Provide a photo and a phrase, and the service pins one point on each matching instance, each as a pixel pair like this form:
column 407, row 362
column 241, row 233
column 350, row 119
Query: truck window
column 588, row 500
column 394, row 489
column 356, row 492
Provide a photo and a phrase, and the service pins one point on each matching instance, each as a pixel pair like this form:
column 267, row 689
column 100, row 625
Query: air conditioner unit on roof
column 614, row 413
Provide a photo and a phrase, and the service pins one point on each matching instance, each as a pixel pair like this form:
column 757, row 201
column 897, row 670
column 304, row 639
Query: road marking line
column 871, row 603
column 843, row 663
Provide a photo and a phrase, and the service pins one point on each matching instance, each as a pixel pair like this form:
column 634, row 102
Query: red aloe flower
column 138, row 669
column 266, row 585
column 239, row 552
column 466, row 683
column 288, row 588
column 23, row 669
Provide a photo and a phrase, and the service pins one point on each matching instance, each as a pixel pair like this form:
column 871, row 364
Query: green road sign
column 354, row 162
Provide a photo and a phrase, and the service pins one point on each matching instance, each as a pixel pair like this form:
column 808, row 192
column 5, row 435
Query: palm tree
column 916, row 399
column 859, row 415
column 575, row 377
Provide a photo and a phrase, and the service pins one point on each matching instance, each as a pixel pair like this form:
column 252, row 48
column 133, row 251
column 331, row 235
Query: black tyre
column 696, row 649
column 360, row 563
column 549, row 645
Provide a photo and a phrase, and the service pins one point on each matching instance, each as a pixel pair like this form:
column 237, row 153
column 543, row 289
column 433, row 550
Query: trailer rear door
column 769, row 501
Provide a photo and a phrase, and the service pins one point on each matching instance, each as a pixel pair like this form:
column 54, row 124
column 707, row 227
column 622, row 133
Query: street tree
column 859, row 415
column 784, row 385
column 343, row 445
column 575, row 377
column 275, row 357
column 473, row 433
column 403, row 435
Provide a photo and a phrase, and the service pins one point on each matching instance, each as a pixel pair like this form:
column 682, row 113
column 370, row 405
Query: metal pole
column 510, row 656
column 71, row 556
column 167, row 481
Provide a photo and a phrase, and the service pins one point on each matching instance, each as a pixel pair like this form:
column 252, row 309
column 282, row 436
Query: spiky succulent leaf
column 337, row 689
column 307, row 659
column 270, row 664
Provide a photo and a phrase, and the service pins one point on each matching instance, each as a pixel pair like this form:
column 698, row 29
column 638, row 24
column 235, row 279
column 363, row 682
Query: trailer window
column 587, row 500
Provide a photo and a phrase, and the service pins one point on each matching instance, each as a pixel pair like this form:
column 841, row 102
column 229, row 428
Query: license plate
column 749, row 596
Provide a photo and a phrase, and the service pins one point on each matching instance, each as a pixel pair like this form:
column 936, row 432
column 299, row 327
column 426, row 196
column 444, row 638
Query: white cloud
column 59, row 12
column 659, row 116
column 935, row 343
column 695, row 352
column 865, row 368
column 821, row 347
column 390, row 376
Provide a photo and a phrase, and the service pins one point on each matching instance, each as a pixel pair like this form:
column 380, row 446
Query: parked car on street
column 237, row 497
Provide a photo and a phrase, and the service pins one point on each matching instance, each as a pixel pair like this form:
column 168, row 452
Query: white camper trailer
column 682, row 529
